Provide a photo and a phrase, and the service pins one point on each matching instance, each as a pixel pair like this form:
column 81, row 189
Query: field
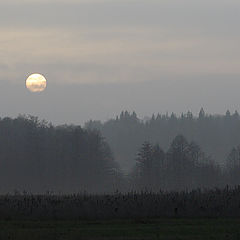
column 215, row 203
column 198, row 214
column 122, row 229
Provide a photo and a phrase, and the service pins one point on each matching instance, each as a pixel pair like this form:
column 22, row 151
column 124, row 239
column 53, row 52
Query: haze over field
column 104, row 56
column 119, row 119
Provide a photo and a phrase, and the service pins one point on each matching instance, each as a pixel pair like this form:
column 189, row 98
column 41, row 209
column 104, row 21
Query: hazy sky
column 104, row 56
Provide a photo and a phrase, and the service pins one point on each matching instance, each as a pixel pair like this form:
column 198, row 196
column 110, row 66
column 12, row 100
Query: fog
column 102, row 57
column 78, row 103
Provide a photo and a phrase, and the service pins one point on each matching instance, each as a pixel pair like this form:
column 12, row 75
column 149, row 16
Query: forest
column 216, row 134
column 38, row 157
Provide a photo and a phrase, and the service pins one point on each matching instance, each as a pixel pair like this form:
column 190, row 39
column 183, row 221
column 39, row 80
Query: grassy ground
column 130, row 229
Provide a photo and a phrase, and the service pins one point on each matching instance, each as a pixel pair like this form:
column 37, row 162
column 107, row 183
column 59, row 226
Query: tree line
column 183, row 166
column 36, row 156
column 215, row 134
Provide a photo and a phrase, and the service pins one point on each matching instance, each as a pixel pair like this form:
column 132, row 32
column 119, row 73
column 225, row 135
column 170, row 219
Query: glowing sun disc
column 36, row 83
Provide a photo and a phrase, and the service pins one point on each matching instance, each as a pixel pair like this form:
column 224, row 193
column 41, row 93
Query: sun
column 36, row 83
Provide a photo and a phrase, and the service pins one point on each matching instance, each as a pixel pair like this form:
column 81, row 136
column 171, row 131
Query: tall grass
column 136, row 205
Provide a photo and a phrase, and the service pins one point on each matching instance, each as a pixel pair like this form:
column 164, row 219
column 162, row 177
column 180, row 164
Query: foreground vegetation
column 129, row 229
column 147, row 205
column 198, row 214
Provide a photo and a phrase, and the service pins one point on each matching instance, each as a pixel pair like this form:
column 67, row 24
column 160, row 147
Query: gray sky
column 104, row 56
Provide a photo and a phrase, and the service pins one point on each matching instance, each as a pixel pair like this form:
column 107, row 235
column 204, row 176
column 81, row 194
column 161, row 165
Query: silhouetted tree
column 201, row 114
column 233, row 166
column 145, row 165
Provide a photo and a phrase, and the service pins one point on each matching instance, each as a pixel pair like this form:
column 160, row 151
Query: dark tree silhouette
column 233, row 166
column 215, row 134
column 183, row 166
column 36, row 156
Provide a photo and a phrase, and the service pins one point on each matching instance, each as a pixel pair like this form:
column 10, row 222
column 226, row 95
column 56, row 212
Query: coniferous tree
column 233, row 166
